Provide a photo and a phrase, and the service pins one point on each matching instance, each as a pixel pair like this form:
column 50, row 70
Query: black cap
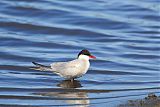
column 84, row 52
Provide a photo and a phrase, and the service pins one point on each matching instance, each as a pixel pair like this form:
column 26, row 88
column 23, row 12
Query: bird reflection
column 74, row 97
column 69, row 84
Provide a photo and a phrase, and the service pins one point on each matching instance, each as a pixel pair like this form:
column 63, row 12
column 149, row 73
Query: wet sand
column 151, row 100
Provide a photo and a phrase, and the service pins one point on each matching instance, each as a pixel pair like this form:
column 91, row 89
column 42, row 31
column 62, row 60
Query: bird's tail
column 41, row 67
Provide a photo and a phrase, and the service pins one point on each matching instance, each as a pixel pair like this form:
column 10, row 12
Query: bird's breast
column 84, row 67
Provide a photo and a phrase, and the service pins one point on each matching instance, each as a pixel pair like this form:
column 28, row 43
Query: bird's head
column 85, row 54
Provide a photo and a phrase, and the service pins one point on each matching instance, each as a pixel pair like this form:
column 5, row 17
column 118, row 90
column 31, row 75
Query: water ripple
column 124, row 36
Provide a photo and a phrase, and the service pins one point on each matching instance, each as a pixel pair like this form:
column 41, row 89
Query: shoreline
column 151, row 100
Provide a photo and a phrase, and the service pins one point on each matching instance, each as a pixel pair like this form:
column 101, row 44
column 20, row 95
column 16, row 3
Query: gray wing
column 66, row 68
column 61, row 66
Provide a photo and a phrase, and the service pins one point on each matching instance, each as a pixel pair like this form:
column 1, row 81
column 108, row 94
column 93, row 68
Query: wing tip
column 37, row 64
column 34, row 63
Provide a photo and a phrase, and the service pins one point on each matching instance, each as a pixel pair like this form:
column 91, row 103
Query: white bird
column 71, row 69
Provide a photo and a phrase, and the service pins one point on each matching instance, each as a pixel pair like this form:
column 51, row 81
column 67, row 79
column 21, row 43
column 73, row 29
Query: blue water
column 124, row 35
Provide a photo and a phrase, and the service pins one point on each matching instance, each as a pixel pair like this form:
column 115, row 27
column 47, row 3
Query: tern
column 71, row 69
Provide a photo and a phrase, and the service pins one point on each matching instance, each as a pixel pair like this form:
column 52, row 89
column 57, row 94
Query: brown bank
column 150, row 101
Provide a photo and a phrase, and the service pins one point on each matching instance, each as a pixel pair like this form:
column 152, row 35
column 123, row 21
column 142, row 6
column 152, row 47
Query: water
column 123, row 35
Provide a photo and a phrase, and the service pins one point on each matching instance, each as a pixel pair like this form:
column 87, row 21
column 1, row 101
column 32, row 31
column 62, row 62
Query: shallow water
column 123, row 35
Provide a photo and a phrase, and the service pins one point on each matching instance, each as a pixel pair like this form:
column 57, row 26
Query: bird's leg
column 72, row 79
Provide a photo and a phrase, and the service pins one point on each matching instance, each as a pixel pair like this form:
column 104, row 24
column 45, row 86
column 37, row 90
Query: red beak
column 93, row 57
